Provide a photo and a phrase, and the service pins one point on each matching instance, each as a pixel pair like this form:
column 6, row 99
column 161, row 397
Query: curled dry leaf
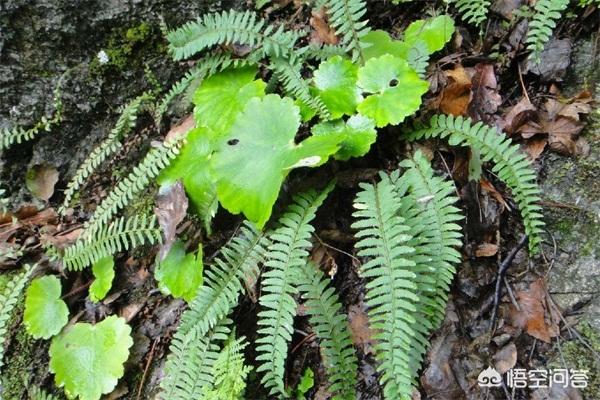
column 486, row 99
column 488, row 187
column 534, row 316
column 170, row 210
column 516, row 116
column 322, row 32
column 181, row 129
column 535, row 147
column 456, row 96
column 40, row 180
column 486, row 250
column 361, row 332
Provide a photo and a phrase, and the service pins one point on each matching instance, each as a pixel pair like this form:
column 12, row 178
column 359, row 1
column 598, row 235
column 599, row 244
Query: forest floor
column 548, row 314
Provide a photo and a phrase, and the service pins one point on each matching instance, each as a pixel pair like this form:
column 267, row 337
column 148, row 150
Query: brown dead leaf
column 322, row 257
column 322, row 32
column 535, row 317
column 456, row 96
column 170, row 210
column 488, row 187
column 486, row 250
column 535, row 147
column 438, row 379
column 182, row 128
column 486, row 99
column 505, row 358
column 62, row 240
column 40, row 180
column 362, row 335
column 516, row 116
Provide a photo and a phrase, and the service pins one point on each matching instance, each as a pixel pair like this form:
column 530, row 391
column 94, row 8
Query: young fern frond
column 18, row 135
column 541, row 26
column 230, row 373
column 285, row 256
column 121, row 234
column 511, row 165
column 428, row 208
column 473, row 11
column 391, row 290
column 288, row 71
column 223, row 282
column 189, row 371
column 331, row 327
column 345, row 17
column 144, row 173
column 107, row 147
column 228, row 27
column 9, row 295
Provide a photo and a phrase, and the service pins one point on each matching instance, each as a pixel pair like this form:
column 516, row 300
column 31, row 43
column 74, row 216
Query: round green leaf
column 104, row 272
column 252, row 161
column 335, row 83
column 378, row 43
column 434, row 32
column 396, row 88
column 88, row 359
column 221, row 97
column 45, row 312
column 356, row 135
column 180, row 274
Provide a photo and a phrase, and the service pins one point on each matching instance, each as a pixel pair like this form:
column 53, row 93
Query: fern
column 512, row 166
column 288, row 71
column 36, row 393
column 331, row 327
column 9, row 295
column 122, row 234
column 473, row 11
column 148, row 169
column 230, row 27
column 18, row 135
column 391, row 290
column 109, row 146
column 230, row 373
column 345, row 17
column 285, row 257
column 190, row 371
column 546, row 13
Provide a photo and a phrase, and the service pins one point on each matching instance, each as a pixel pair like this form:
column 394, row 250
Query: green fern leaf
column 391, row 294
column 511, row 165
column 230, row 373
column 9, row 295
column 547, row 12
column 345, row 17
column 121, row 234
column 331, row 328
column 473, row 11
column 285, row 256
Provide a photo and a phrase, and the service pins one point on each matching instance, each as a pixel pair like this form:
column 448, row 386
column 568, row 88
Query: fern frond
column 331, row 327
column 288, row 71
column 285, row 256
column 391, row 290
column 9, row 295
column 230, row 373
column 473, row 11
column 107, row 147
column 229, row 27
column 511, row 165
column 120, row 235
column 18, row 135
column 541, row 26
column 223, row 282
column 345, row 17
column 148, row 169
column 189, row 371
column 36, row 393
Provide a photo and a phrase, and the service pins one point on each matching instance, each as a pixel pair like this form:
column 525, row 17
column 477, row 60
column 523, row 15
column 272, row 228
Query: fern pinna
column 511, row 165
column 285, row 256
column 345, row 17
column 331, row 327
column 230, row 373
column 223, row 282
column 473, row 11
column 547, row 12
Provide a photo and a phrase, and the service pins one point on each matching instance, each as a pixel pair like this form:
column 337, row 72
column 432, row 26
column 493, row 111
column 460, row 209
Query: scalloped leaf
column 253, row 160
column 45, row 312
column 192, row 167
column 222, row 96
column 378, row 43
column 396, row 90
column 335, row 84
column 180, row 274
column 356, row 135
column 88, row 359
column 434, row 32
column 104, row 272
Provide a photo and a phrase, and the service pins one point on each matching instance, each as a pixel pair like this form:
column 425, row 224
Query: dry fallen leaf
column 40, row 180
column 488, row 187
column 505, row 358
column 322, row 33
column 535, row 317
column 486, row 99
column 486, row 250
column 362, row 335
column 182, row 128
column 170, row 210
column 516, row 116
column 535, row 147
column 456, row 96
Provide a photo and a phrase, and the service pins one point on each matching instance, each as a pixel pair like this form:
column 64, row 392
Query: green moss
column 578, row 356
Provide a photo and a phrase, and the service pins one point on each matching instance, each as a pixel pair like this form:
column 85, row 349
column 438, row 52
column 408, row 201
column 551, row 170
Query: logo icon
column 489, row 378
